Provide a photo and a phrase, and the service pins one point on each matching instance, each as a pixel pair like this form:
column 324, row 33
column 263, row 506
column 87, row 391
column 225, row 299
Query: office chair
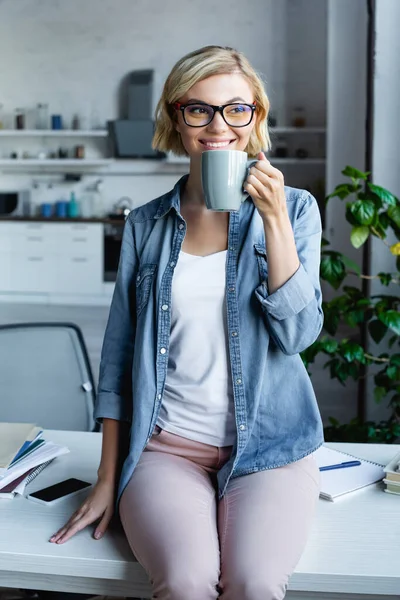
column 46, row 377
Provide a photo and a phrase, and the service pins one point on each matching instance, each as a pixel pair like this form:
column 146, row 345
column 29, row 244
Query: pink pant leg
column 264, row 521
column 168, row 511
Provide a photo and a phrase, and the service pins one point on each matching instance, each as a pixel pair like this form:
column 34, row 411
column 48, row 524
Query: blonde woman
column 201, row 359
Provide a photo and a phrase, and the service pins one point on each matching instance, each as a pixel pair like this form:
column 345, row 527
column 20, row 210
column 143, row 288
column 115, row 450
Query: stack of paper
column 392, row 476
column 23, row 454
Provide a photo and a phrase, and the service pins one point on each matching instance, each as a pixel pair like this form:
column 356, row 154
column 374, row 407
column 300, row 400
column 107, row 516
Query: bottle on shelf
column 42, row 116
column 19, row 118
column 98, row 199
column 73, row 206
column 299, row 117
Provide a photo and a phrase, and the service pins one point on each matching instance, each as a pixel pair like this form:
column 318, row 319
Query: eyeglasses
column 199, row 114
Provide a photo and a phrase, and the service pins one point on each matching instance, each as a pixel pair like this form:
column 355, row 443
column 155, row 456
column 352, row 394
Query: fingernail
column 97, row 535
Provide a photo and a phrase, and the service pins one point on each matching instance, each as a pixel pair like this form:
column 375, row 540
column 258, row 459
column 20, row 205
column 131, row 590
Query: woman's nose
column 218, row 123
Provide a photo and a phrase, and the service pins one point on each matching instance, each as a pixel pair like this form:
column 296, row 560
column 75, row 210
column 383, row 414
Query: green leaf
column 324, row 242
column 393, row 340
column 385, row 278
column 341, row 191
column 391, row 318
column 354, row 317
column 394, row 214
column 333, row 270
column 352, row 351
column 383, row 194
column 329, row 345
column 359, row 236
column 395, row 360
column 393, row 372
column 350, row 264
column 379, row 393
column 354, row 173
column 377, row 330
column 363, row 211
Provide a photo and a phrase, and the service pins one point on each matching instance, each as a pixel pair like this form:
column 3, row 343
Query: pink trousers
column 194, row 547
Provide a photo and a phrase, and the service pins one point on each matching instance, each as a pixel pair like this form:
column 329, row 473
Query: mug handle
column 250, row 163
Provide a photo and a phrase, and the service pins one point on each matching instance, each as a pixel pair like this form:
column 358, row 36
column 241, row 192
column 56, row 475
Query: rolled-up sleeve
column 114, row 396
column 293, row 312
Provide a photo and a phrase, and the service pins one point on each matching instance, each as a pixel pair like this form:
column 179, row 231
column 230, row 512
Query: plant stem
column 393, row 280
column 375, row 232
column 376, row 358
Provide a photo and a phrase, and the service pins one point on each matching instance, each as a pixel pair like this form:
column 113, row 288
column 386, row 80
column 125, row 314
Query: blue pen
column 343, row 465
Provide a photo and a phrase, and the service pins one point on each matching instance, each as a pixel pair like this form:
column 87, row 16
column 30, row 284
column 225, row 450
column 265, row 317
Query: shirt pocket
column 144, row 282
column 262, row 262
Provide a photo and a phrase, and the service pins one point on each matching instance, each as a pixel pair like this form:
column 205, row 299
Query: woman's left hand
column 265, row 184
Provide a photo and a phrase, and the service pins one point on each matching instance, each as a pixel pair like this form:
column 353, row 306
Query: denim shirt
column 277, row 417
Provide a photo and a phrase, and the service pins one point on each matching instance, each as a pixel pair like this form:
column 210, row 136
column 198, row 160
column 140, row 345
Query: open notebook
column 336, row 482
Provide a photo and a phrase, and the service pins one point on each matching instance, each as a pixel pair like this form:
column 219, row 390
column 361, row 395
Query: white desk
column 353, row 550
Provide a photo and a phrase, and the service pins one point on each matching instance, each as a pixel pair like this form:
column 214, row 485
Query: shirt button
column 138, row 278
column 165, row 307
column 232, row 289
column 181, row 226
column 234, row 333
column 242, row 427
column 172, row 264
column 159, row 396
column 232, row 248
column 238, row 381
column 162, row 350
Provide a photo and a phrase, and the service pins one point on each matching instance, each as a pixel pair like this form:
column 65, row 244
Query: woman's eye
column 238, row 108
column 197, row 110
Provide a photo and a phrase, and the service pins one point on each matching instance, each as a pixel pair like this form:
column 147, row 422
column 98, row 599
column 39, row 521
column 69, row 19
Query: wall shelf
column 303, row 130
column 103, row 133
column 28, row 164
column 296, row 161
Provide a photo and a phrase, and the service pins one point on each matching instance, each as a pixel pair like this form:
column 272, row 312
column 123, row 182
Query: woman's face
column 217, row 90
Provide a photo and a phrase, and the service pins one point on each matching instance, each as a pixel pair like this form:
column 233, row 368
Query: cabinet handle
column 34, row 226
column 79, row 239
column 80, row 227
column 35, row 258
column 35, row 238
column 80, row 260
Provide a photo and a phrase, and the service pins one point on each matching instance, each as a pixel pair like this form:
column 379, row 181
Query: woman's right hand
column 99, row 505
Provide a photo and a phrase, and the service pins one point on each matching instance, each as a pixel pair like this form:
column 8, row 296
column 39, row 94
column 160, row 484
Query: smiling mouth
column 216, row 145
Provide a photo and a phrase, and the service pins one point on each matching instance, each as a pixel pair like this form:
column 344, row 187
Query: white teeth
column 216, row 144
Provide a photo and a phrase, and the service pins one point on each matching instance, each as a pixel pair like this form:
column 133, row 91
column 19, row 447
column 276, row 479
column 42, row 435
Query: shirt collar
column 172, row 199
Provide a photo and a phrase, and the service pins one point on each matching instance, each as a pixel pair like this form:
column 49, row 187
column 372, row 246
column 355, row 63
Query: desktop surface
column 353, row 547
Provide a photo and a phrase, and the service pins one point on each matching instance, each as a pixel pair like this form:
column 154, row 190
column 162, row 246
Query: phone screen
column 58, row 490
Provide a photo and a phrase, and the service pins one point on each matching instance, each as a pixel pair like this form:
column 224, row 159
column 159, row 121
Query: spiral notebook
column 337, row 482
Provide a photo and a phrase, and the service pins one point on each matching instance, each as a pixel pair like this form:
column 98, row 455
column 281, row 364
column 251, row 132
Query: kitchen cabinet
column 51, row 258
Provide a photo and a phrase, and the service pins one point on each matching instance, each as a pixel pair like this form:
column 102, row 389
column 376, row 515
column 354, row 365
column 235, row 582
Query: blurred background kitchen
column 79, row 82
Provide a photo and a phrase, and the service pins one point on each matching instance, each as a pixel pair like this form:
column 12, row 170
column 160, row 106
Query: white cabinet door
column 79, row 274
column 53, row 258
column 33, row 272
column 5, row 272
column 5, row 268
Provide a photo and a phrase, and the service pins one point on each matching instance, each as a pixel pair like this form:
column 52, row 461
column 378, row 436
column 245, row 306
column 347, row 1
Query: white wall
column 306, row 59
column 386, row 161
column 347, row 40
column 74, row 55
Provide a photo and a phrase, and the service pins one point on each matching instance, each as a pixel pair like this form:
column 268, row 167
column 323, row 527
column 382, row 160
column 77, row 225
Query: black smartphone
column 53, row 493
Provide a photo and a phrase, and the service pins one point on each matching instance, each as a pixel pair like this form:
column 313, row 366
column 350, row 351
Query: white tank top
column 198, row 398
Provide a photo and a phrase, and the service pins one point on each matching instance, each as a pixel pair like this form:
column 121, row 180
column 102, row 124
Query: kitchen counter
column 40, row 219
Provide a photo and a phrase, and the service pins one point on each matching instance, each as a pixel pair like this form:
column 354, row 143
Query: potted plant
column 372, row 211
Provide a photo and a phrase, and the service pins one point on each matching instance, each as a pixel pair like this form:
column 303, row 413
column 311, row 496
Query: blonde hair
column 194, row 67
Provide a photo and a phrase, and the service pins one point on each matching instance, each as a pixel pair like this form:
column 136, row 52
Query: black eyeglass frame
column 220, row 109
